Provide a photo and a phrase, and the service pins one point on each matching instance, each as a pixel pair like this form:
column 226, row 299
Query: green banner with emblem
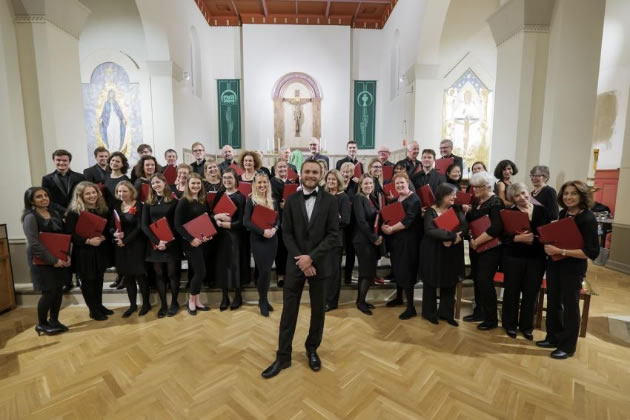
column 364, row 113
column 229, row 96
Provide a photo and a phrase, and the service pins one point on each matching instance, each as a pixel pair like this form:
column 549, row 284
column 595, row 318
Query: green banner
column 364, row 113
column 229, row 95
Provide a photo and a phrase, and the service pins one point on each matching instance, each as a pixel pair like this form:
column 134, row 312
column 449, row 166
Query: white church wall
column 271, row 51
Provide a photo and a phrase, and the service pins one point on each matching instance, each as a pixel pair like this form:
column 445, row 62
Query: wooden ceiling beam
column 264, row 5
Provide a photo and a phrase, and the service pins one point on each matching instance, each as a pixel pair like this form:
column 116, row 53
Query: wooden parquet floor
column 376, row 367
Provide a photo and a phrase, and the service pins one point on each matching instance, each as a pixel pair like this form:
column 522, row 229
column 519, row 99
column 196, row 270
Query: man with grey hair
column 228, row 156
column 383, row 153
column 446, row 151
column 313, row 147
column 411, row 162
column 284, row 154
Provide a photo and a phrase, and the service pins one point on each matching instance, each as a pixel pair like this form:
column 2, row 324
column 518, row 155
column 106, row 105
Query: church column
column 521, row 31
column 47, row 35
column 164, row 76
column 426, row 127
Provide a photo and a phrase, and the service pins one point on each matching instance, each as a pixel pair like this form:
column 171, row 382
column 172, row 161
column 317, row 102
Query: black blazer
column 317, row 237
column 95, row 174
column 59, row 197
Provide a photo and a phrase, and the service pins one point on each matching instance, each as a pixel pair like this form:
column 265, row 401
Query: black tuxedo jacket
column 95, row 174
column 59, row 196
column 317, row 237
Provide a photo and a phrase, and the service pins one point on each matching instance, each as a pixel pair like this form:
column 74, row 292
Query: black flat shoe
column 98, row 316
column 546, row 344
column 106, row 311
column 364, row 308
column 275, row 368
column 528, row 335
column 313, row 361
column 162, row 312
column 144, row 310
column 560, row 354
column 510, row 333
column 46, row 329
column 450, row 321
column 203, row 308
column 172, row 311
column 408, row 314
column 130, row 311
column 394, row 302
column 236, row 303
column 55, row 323
column 432, row 319
column 487, row 326
column 225, row 303
column 473, row 318
column 192, row 312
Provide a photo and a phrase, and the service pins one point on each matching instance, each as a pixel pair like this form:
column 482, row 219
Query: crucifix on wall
column 298, row 112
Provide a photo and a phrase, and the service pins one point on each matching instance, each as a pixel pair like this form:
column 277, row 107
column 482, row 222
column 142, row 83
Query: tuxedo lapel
column 59, row 184
column 302, row 205
column 315, row 208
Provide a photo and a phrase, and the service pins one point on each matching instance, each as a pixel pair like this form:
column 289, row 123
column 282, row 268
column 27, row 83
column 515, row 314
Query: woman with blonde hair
column 212, row 176
column 375, row 169
column 264, row 242
column 90, row 256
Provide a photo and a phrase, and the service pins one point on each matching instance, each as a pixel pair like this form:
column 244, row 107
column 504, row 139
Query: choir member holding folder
column 191, row 206
column 566, row 270
column 442, row 253
column 334, row 186
column 375, row 169
column 212, row 176
column 504, row 172
column 179, row 186
column 130, row 246
column 281, row 188
column 228, row 215
column 454, row 175
column 212, row 183
column 350, row 186
column 485, row 254
column 250, row 163
column 145, row 169
column 49, row 266
column 86, row 220
column 543, row 193
column 118, row 166
column 162, row 251
column 403, row 244
column 262, row 220
column 523, row 261
column 365, row 238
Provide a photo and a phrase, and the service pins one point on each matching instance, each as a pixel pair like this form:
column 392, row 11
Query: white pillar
column 427, row 124
column 163, row 75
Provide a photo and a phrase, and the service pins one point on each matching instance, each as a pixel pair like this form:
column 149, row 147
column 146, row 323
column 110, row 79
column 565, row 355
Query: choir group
column 216, row 215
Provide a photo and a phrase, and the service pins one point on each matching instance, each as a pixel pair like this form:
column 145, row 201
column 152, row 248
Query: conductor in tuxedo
column 310, row 229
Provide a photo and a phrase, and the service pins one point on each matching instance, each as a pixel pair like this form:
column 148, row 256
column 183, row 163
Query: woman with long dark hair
column 504, row 172
column 47, row 278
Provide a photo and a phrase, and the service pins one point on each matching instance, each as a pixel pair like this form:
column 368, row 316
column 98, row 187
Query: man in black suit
column 351, row 147
column 446, row 151
column 310, row 229
column 313, row 146
column 199, row 152
column 228, row 157
column 100, row 171
column 61, row 182
column 383, row 155
column 411, row 161
column 427, row 175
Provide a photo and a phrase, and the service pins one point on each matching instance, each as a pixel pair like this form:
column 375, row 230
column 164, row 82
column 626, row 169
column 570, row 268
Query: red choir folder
column 162, row 230
column 58, row 244
column 292, row 176
column 225, row 205
column 563, row 234
column 514, row 221
column 447, row 220
column 378, row 219
column 388, row 172
column 393, row 213
column 462, row 198
column 426, row 196
column 101, row 187
column 201, row 227
column 479, row 226
column 245, row 188
column 170, row 173
column 238, row 169
column 143, row 194
column 441, row 165
column 288, row 190
column 264, row 218
column 117, row 221
column 358, row 170
column 90, row 225
column 390, row 189
column 211, row 197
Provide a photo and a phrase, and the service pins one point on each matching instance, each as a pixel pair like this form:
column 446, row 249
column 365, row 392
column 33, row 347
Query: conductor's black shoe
column 546, row 344
column 313, row 360
column 275, row 368
column 510, row 333
column 560, row 354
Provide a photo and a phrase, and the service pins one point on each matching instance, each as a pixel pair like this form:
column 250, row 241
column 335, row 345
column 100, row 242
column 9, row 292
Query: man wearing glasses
column 228, row 156
column 446, row 151
column 313, row 146
column 199, row 152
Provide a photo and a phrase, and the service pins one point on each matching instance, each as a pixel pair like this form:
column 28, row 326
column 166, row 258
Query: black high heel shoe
column 237, row 302
column 55, row 323
column 46, row 329
column 129, row 311
column 225, row 303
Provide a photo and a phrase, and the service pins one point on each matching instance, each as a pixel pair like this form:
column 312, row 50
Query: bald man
column 228, row 156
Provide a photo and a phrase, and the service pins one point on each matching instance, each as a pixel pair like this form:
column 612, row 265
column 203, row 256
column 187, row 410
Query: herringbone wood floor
column 374, row 367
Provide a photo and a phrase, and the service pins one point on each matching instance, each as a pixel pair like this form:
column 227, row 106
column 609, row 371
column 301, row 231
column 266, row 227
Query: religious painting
column 111, row 109
column 465, row 118
column 229, row 96
column 297, row 111
column 364, row 113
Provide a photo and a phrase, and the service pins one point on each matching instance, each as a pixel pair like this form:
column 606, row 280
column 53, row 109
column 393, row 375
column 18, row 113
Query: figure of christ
column 298, row 113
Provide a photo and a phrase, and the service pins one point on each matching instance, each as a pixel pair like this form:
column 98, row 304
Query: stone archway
column 308, row 102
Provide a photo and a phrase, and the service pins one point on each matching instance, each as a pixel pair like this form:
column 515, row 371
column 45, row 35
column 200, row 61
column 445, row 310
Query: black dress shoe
column 432, row 319
column 546, row 344
column 510, row 333
column 450, row 321
column 46, row 329
column 97, row 316
column 225, row 303
column 106, row 311
column 528, row 335
column 408, row 314
column 275, row 368
column 474, row 317
column 121, row 285
column 237, row 302
column 192, row 312
column 55, row 323
column 162, row 312
column 394, row 302
column 203, row 308
column 364, row 308
column 487, row 325
column 172, row 311
column 144, row 310
column 313, row 361
column 129, row 311
column 561, row 354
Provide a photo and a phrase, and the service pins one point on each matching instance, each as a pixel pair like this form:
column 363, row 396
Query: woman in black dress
column 91, row 256
column 484, row 264
column 543, row 193
column 404, row 246
column 454, row 175
column 145, row 169
column 334, row 186
column 163, row 256
column 365, row 239
column 478, row 166
column 250, row 162
column 350, row 187
column 229, row 237
column 212, row 184
column 130, row 246
column 281, row 178
column 565, row 276
column 523, row 265
column 212, row 176
column 192, row 205
column 442, row 255
column 183, row 172
column 49, row 277
column 119, row 166
column 504, row 172
column 375, row 169
column 264, row 242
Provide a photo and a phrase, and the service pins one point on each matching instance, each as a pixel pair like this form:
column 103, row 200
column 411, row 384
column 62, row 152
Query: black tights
column 132, row 289
column 364, row 286
column 173, row 280
column 50, row 301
